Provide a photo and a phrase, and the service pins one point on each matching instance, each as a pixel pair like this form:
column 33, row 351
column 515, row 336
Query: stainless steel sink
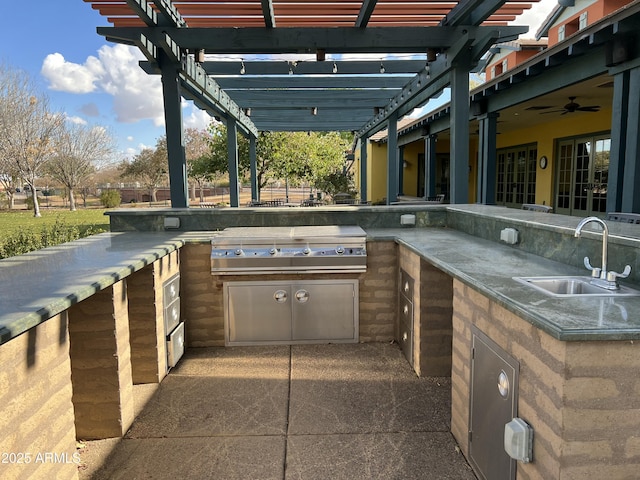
column 574, row 286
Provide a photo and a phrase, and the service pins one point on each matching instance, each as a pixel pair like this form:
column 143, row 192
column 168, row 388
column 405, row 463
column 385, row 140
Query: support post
column 619, row 115
column 631, row 187
column 430, row 166
column 253, row 161
column 392, row 158
column 459, row 141
column 232, row 151
column 178, row 184
column 487, row 159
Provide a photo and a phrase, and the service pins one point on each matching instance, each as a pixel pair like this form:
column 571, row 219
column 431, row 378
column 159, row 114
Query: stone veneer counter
column 488, row 267
column 38, row 285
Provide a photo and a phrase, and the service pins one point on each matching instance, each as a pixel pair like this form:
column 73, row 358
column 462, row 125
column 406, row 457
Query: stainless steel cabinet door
column 324, row 310
column 258, row 313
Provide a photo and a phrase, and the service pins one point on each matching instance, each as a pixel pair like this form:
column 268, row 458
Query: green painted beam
column 267, row 12
column 368, row 6
column 168, row 15
column 319, row 82
column 300, row 98
column 471, row 12
column 343, row 67
column 257, row 40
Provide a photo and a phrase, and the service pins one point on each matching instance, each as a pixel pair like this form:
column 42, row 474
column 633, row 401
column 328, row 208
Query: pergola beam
column 342, row 67
column 368, row 6
column 342, row 40
column 267, row 12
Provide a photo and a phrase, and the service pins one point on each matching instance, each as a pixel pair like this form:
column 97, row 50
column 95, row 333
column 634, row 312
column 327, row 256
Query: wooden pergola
column 414, row 49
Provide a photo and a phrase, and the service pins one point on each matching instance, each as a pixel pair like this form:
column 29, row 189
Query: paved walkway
column 279, row 412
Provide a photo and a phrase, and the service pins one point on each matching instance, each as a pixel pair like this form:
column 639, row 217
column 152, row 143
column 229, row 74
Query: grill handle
column 280, row 296
column 302, row 296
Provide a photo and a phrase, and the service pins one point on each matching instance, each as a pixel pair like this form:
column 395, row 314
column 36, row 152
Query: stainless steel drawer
column 406, row 284
column 171, row 290
column 172, row 315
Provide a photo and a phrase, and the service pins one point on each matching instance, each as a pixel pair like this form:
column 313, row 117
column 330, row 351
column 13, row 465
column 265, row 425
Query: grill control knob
column 273, row 251
column 306, row 250
column 239, row 252
column 339, row 250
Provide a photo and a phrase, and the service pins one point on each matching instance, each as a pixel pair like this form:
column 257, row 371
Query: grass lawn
column 14, row 221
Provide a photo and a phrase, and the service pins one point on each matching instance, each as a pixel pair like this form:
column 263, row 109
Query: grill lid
column 241, row 250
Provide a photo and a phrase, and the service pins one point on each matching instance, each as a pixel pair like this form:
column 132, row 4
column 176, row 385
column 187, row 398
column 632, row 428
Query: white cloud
column 136, row 95
column 199, row 119
column 71, row 77
column 129, row 138
column 76, row 120
column 535, row 16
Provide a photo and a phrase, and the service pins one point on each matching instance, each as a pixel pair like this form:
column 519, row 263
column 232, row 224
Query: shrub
column 110, row 198
column 28, row 240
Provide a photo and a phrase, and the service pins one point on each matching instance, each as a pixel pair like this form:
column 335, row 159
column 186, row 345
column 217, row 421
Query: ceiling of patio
column 309, row 65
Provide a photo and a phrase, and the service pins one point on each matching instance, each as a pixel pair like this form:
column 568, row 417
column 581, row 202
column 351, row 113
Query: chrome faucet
column 600, row 276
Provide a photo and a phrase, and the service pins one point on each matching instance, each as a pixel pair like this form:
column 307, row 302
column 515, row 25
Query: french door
column 582, row 175
column 516, row 175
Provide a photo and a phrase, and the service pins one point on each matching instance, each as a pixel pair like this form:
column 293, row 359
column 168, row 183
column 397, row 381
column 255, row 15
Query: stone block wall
column 146, row 318
column 379, row 293
column 37, row 433
column 436, row 310
column 101, row 364
column 581, row 398
column 432, row 306
column 202, row 301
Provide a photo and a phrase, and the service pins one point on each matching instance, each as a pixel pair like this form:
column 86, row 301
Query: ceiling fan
column 572, row 106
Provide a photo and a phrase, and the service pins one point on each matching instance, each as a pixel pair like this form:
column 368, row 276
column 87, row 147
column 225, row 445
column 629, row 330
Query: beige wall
column 581, row 398
column 37, row 419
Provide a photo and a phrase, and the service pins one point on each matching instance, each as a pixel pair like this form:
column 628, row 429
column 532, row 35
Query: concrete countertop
column 38, row 285
column 488, row 267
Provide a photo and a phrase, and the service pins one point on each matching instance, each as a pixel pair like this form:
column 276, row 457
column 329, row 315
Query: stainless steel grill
column 268, row 250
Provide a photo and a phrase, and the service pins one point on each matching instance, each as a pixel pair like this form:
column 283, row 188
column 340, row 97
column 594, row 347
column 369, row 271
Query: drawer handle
column 406, row 286
column 406, row 309
column 280, row 296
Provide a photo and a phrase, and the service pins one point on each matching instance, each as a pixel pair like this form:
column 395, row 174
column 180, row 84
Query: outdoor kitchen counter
column 488, row 267
column 38, row 285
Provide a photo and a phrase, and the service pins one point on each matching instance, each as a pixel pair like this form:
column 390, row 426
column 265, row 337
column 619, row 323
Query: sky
column 98, row 83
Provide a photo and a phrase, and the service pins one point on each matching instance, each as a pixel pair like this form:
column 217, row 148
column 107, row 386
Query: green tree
column 79, row 149
column 149, row 167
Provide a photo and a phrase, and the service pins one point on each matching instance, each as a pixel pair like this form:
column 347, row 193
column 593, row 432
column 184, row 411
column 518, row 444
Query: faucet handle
column 612, row 276
column 595, row 271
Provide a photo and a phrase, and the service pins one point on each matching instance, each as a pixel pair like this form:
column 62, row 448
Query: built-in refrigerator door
column 257, row 313
column 325, row 310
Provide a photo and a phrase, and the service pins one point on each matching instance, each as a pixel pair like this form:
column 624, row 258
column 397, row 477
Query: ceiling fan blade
column 591, row 108
column 553, row 111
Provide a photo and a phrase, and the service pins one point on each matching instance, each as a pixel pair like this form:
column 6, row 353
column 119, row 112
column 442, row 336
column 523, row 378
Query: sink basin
column 574, row 286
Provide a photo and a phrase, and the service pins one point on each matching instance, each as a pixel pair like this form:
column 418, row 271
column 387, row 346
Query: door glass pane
column 531, row 176
column 520, row 175
column 510, row 177
column 582, row 186
column 564, row 175
column 600, row 175
column 500, row 186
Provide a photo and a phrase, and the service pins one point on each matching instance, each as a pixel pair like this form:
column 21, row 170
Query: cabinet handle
column 280, row 296
column 406, row 309
column 302, row 296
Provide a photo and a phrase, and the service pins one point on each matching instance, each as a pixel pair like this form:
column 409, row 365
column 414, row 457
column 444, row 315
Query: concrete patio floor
column 308, row 412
